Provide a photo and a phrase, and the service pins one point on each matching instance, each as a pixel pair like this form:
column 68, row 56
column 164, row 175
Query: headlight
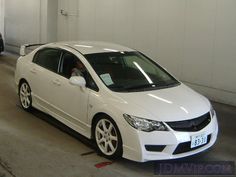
column 145, row 124
column 213, row 113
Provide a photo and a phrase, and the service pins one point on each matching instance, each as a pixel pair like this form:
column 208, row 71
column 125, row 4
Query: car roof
column 90, row 47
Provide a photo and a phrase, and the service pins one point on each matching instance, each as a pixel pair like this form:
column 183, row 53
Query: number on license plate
column 198, row 140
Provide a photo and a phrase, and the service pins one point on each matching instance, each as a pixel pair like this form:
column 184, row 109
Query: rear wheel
column 25, row 96
column 108, row 138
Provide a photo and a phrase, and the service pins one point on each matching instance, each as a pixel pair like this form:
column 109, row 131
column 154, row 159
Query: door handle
column 33, row 71
column 56, row 82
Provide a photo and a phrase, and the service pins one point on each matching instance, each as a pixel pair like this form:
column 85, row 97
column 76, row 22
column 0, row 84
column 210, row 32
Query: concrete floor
column 35, row 145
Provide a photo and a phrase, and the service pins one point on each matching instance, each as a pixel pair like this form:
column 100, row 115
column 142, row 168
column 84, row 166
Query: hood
column 171, row 104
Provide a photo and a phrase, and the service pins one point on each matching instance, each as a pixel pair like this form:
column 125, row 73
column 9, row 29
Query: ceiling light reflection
column 184, row 109
column 110, row 50
column 161, row 99
column 143, row 72
column 84, row 46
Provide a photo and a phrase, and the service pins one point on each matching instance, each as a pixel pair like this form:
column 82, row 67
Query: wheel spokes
column 110, row 128
column 114, row 138
column 102, row 140
column 24, row 88
column 100, row 131
column 27, row 100
column 22, row 93
column 111, row 146
column 104, row 125
column 106, row 147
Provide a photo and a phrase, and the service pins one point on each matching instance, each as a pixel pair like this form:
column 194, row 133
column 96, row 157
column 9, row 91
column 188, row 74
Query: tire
column 25, row 96
column 107, row 137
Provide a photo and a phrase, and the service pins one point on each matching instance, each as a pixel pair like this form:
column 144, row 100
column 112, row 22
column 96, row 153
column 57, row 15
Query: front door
column 71, row 101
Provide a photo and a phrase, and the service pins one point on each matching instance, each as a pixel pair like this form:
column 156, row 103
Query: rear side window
column 48, row 58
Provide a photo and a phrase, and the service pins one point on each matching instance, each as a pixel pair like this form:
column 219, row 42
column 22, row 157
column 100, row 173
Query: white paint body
column 76, row 106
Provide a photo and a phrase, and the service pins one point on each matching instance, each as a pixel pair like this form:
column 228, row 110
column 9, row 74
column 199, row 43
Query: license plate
column 198, row 140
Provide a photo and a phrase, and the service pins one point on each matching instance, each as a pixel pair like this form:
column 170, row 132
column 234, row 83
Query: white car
column 124, row 101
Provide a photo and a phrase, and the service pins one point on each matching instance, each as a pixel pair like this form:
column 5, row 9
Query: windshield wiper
column 141, row 86
column 159, row 85
column 117, row 87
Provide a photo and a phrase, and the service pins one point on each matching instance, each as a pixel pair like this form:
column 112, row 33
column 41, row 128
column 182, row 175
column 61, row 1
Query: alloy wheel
column 25, row 96
column 106, row 137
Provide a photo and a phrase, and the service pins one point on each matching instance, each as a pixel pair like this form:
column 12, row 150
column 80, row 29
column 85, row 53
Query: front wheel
column 108, row 138
column 25, row 96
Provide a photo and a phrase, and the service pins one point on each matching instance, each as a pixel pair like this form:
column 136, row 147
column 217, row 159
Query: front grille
column 186, row 147
column 192, row 125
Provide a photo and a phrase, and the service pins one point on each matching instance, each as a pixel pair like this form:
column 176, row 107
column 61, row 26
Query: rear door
column 43, row 77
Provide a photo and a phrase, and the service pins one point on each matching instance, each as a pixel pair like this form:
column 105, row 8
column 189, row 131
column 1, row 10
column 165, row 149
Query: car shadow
column 62, row 127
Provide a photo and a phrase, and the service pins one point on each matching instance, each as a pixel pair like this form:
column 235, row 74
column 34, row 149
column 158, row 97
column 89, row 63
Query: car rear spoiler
column 26, row 47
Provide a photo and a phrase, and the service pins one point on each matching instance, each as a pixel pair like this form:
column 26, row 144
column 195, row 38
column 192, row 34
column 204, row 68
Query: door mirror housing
column 77, row 81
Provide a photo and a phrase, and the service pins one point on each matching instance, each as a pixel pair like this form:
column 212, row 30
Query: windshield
column 129, row 71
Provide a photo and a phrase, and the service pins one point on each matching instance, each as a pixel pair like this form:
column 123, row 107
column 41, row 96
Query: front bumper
column 170, row 140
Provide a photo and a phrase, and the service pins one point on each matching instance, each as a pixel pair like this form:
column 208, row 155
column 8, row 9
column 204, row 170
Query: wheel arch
column 21, row 81
column 96, row 117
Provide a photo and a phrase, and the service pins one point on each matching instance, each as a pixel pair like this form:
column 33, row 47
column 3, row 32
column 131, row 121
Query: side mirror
column 77, row 81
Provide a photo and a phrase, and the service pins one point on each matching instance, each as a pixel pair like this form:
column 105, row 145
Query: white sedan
column 124, row 101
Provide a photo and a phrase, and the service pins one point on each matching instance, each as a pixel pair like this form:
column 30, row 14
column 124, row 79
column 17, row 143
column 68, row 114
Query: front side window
column 130, row 71
column 72, row 66
column 48, row 58
column 68, row 64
